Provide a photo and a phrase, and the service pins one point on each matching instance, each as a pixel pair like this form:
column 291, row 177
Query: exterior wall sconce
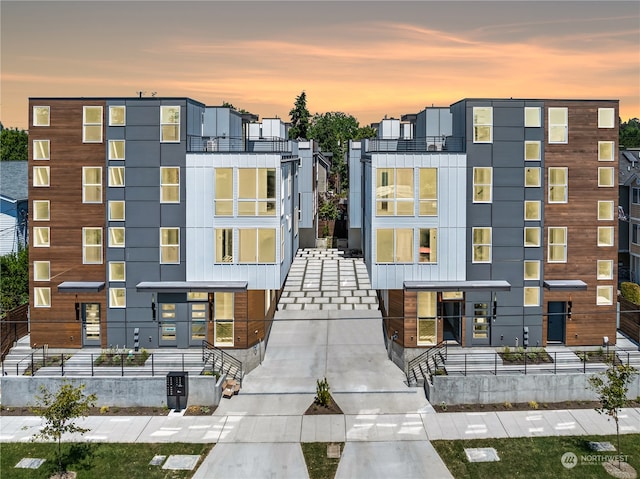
column 569, row 306
column 153, row 306
column 77, row 307
column 395, row 335
column 495, row 306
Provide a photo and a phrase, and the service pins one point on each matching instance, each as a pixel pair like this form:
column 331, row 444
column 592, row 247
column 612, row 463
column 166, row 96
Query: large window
column 116, row 149
column 482, row 184
column 531, row 236
column 116, row 176
column 394, row 245
column 41, row 150
column 605, row 210
column 224, row 245
column 169, row 184
column 394, row 192
column 428, row 245
column 532, row 177
column 256, row 191
column 481, row 245
column 558, row 184
column 606, row 118
column 532, row 151
column 604, row 295
column 605, row 235
column 117, row 115
column 531, row 296
column 41, row 270
column 92, row 124
column 605, row 151
column 558, row 125
column 40, row 176
column 427, row 320
column 116, row 210
column 532, row 211
column 41, row 210
column 257, row 245
column 117, row 271
column 224, row 191
column 224, row 315
column 605, row 177
column 116, row 237
column 117, row 298
column 41, row 237
column 92, row 245
column 428, row 191
column 42, row 297
column 604, row 269
column 40, row 116
column 170, row 124
column 170, row 245
column 482, row 124
column 532, row 270
column 532, row 116
column 91, row 184
column 557, row 252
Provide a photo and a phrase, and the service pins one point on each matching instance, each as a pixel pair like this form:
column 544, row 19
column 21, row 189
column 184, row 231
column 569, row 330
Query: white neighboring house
column 13, row 205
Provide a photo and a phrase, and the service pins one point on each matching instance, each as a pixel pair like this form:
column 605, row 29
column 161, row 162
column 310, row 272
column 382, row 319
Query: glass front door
column 91, row 324
column 168, row 332
column 198, row 317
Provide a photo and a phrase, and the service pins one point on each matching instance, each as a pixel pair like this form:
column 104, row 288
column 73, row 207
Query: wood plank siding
column 57, row 325
column 589, row 322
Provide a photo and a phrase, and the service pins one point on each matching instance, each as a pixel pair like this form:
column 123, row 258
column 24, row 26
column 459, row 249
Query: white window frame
column 170, row 186
column 113, row 150
column 35, row 115
column 85, row 123
column 524, row 272
column 124, row 116
column 530, row 143
column 612, row 144
column 603, row 121
column 112, row 176
column 538, row 211
column 116, row 301
column 564, row 125
column 610, row 210
column 607, row 297
column 36, row 234
column 564, row 244
column 535, row 119
column 482, row 125
column 533, row 168
column 611, row 171
column 36, row 270
column 169, row 123
column 86, row 184
column 36, row 175
column 112, row 277
column 35, row 146
column 609, row 264
column 42, row 297
column 169, row 245
column 532, row 229
column 112, row 204
column 255, row 199
column 565, row 185
column 474, row 244
column 119, row 230
column 85, row 245
column 34, row 217
column 527, row 289
column 609, row 229
column 478, row 185
column 225, row 259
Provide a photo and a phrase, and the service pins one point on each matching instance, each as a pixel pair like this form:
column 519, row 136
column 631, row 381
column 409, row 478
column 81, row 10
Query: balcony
column 434, row 144
column 225, row 144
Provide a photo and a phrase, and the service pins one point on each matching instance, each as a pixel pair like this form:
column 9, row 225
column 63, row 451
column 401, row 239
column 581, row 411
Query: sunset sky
column 368, row 59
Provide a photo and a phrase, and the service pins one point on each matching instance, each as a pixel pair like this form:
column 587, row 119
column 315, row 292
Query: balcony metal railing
column 432, row 144
column 213, row 144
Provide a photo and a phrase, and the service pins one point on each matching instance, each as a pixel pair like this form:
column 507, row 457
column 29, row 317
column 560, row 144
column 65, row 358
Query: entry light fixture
column 495, row 306
column 77, row 306
column 153, row 306
column 569, row 306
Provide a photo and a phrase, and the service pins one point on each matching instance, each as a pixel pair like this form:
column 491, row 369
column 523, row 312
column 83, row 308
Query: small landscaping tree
column 611, row 386
column 59, row 411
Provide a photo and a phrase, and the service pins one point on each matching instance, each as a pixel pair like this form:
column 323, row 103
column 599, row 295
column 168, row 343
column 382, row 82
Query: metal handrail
column 425, row 356
column 209, row 350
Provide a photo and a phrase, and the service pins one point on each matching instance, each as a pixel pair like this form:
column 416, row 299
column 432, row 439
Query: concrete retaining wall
column 121, row 392
column 490, row 389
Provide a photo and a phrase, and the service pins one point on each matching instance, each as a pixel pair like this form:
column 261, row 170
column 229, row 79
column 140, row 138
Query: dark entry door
column 451, row 312
column 557, row 314
column 91, row 324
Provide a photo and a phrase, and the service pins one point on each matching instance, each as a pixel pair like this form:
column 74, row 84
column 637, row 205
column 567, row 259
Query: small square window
column 605, row 235
column 40, row 116
column 41, row 210
column 117, row 298
column 117, row 115
column 605, row 210
column 41, row 237
column 532, row 116
column 532, row 210
column 531, row 237
column 41, row 270
column 532, row 177
column 531, row 296
column 532, row 151
column 605, row 150
column 116, row 176
column 532, row 270
column 116, row 149
column 605, row 269
column 116, row 237
column 116, row 210
column 605, row 295
column 117, row 271
column 605, row 177
column 41, row 150
column 42, row 297
column 40, row 176
column 606, row 118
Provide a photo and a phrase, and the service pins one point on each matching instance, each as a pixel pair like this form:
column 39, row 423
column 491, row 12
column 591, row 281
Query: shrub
column 507, row 405
column 104, row 409
column 630, row 292
column 322, row 392
column 533, row 404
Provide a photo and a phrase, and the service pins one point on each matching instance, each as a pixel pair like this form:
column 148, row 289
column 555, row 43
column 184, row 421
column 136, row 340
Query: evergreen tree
column 13, row 145
column 299, row 118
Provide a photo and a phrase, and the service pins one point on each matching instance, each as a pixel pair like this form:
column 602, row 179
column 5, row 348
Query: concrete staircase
column 14, row 362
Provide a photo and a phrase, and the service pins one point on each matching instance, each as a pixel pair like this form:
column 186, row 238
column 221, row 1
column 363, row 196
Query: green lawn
column 537, row 457
column 318, row 464
column 97, row 460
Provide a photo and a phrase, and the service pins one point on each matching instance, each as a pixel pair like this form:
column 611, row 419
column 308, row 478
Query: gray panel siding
column 355, row 185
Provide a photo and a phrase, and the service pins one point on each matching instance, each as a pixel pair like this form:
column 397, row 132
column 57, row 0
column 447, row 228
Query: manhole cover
column 181, row 462
column 333, row 451
column 30, row 463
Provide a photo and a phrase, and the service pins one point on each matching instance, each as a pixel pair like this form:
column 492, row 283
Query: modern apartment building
column 629, row 215
column 496, row 224
column 160, row 219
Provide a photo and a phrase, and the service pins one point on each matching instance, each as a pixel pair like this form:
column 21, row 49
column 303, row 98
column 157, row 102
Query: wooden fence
column 13, row 325
column 630, row 319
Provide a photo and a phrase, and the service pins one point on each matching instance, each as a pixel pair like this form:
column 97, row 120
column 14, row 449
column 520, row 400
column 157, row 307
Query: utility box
column 177, row 390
